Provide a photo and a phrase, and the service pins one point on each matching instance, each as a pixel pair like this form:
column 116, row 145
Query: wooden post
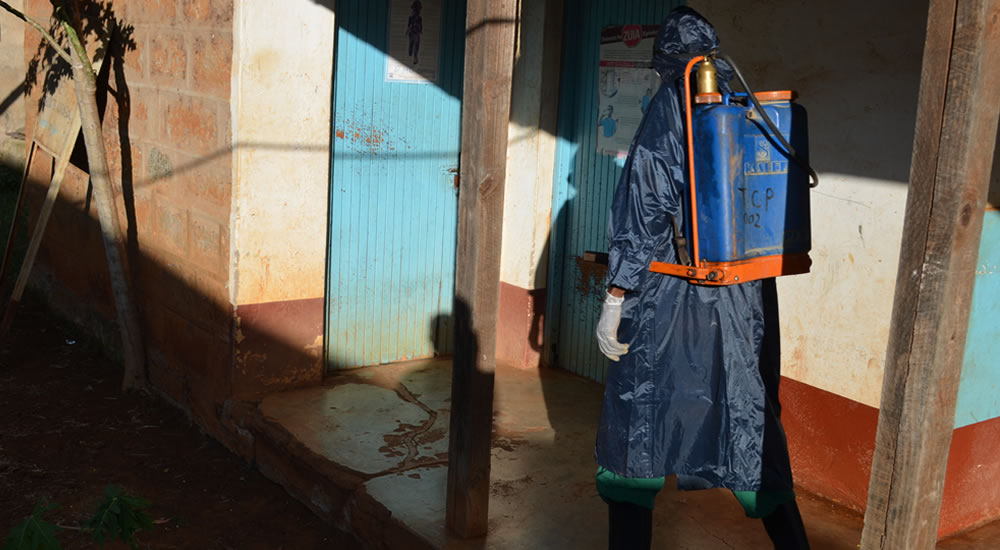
column 949, row 176
column 489, row 63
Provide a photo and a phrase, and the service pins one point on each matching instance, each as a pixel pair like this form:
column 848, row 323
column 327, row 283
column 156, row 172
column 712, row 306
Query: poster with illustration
column 414, row 41
column 626, row 83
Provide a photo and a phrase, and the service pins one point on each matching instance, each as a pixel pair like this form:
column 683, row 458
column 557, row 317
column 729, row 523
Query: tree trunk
column 84, row 79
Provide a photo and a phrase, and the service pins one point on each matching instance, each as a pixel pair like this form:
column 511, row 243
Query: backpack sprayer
column 748, row 213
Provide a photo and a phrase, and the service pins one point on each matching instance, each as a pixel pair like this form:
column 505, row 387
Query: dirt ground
column 66, row 431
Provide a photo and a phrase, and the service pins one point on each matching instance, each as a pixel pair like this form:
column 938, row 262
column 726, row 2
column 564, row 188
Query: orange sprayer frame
column 722, row 273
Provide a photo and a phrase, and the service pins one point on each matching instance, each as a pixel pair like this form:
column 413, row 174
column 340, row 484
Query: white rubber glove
column 607, row 328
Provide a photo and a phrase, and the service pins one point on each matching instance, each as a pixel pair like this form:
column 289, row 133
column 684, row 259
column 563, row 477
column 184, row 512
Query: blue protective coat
column 697, row 393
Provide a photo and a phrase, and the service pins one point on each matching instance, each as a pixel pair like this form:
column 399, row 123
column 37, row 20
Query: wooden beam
column 949, row 177
column 489, row 63
column 72, row 132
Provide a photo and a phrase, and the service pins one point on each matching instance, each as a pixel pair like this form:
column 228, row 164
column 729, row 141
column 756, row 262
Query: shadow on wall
column 455, row 92
column 198, row 355
column 11, row 97
column 859, row 80
column 860, row 88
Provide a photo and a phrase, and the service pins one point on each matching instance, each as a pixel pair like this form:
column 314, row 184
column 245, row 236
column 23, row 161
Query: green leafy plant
column 119, row 515
column 34, row 533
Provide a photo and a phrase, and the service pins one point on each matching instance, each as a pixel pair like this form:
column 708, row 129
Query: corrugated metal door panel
column 978, row 400
column 393, row 208
column 584, row 184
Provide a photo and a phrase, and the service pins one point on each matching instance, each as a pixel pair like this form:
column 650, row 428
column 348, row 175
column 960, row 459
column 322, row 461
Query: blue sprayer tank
column 747, row 204
column 753, row 201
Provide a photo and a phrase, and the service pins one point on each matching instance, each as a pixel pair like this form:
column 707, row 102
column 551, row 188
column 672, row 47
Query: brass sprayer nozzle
column 707, row 81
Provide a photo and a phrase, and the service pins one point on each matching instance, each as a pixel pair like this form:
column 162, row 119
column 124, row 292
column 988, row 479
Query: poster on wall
column 414, row 41
column 626, row 84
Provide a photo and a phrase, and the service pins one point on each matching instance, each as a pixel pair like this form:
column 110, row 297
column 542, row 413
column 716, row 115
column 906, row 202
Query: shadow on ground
column 67, row 432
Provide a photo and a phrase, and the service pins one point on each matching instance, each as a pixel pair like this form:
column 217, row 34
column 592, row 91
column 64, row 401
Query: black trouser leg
column 630, row 527
column 786, row 529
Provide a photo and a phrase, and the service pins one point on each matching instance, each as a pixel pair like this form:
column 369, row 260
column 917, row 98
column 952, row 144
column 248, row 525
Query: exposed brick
column 212, row 63
column 194, row 365
column 207, row 252
column 39, row 9
column 170, row 227
column 190, row 123
column 159, row 167
column 210, row 185
column 168, row 58
column 159, row 12
column 215, row 292
column 226, row 131
column 208, row 12
column 111, row 131
column 75, row 256
column 138, row 166
column 175, row 157
column 144, row 109
column 70, row 228
column 113, row 154
column 202, row 301
column 74, row 188
column 123, row 172
column 202, row 182
column 202, row 354
column 136, row 54
column 143, row 207
column 164, row 374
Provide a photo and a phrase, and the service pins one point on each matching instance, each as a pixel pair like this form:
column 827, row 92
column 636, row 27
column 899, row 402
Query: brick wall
column 167, row 129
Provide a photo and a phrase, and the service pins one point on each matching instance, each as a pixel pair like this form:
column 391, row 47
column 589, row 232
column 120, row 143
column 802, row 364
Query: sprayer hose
column 777, row 134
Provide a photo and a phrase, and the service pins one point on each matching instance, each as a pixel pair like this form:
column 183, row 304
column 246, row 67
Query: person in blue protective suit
column 693, row 389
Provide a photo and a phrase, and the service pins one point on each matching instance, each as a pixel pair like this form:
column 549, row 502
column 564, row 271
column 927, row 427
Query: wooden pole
column 949, row 177
column 489, row 64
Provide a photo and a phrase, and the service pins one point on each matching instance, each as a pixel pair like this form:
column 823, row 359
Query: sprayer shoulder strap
column 680, row 242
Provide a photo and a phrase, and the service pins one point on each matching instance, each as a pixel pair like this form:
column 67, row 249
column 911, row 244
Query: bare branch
column 74, row 40
column 45, row 34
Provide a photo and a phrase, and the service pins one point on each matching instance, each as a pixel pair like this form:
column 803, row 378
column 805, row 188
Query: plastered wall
column 531, row 149
column 856, row 67
column 11, row 72
column 281, row 126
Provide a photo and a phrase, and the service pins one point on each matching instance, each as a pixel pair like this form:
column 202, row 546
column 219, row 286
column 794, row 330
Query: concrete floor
column 389, row 425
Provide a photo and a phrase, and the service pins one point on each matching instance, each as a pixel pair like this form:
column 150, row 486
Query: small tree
column 85, row 83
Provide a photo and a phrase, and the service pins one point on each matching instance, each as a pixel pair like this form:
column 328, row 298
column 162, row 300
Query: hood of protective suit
column 684, row 33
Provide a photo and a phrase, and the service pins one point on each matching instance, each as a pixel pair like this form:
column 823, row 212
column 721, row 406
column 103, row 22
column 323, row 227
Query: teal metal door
column 584, row 183
column 393, row 207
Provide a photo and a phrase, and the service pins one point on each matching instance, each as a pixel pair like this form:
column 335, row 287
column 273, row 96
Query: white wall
column 856, row 66
column 531, row 150
column 282, row 78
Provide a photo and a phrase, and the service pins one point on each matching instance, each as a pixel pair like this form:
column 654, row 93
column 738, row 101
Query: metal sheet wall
column 584, row 183
column 393, row 209
column 978, row 396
